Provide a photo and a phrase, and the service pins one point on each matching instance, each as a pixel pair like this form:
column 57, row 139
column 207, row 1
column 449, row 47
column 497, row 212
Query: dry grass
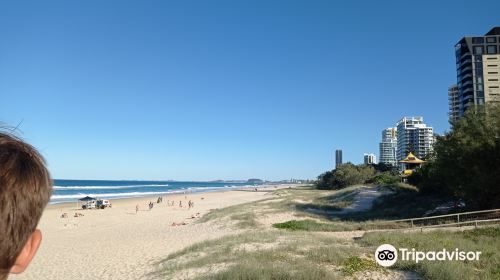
column 271, row 255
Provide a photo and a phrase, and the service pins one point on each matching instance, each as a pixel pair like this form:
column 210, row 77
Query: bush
column 385, row 178
column 466, row 161
column 345, row 175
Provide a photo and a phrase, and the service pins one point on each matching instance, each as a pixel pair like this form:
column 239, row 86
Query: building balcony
column 465, row 70
column 465, row 55
column 467, row 61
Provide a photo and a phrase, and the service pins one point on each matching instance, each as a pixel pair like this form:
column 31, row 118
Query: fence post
column 411, row 223
column 458, row 218
column 475, row 224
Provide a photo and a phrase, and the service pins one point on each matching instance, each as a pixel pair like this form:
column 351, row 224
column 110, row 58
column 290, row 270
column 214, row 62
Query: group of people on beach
column 169, row 203
column 76, row 215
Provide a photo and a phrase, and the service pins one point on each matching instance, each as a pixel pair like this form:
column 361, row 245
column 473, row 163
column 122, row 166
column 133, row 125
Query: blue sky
column 201, row 90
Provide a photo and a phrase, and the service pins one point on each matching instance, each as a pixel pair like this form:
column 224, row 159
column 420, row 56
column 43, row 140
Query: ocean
column 72, row 190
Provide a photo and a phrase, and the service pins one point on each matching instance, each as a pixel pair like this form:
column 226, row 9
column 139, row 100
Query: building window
column 478, row 40
column 491, row 39
column 478, row 50
column 491, row 49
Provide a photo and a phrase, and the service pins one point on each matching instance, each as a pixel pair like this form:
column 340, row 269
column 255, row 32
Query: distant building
column 388, row 146
column 338, row 158
column 414, row 136
column 454, row 104
column 369, row 159
column 478, row 71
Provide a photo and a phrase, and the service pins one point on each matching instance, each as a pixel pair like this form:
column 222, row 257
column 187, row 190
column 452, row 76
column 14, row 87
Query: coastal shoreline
column 122, row 243
column 268, row 187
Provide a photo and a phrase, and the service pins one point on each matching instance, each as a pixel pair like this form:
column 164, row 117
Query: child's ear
column 27, row 253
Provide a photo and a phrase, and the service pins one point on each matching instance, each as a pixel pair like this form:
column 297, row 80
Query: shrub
column 466, row 161
column 345, row 175
column 385, row 179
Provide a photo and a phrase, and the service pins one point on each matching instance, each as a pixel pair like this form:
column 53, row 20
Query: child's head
column 25, row 189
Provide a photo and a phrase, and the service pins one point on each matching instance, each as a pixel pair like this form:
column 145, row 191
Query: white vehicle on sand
column 96, row 204
column 103, row 203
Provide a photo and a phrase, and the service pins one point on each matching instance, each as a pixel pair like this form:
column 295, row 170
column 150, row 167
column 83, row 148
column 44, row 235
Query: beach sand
column 117, row 243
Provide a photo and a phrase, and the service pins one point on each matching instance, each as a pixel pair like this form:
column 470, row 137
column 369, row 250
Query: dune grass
column 312, row 225
column 403, row 202
column 356, row 264
column 305, row 201
column 486, row 240
column 266, row 255
column 230, row 211
column 303, row 249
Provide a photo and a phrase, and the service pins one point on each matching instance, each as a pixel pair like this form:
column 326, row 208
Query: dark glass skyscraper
column 338, row 158
column 478, row 68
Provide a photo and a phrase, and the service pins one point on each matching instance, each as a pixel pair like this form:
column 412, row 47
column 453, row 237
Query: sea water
column 72, row 190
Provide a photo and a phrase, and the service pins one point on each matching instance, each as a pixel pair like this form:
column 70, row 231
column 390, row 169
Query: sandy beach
column 118, row 243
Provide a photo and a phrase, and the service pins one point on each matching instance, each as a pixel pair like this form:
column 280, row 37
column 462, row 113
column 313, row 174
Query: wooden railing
column 459, row 219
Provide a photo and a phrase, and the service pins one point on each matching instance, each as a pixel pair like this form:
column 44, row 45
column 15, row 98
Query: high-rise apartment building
column 388, row 146
column 369, row 159
column 478, row 71
column 454, row 103
column 338, row 158
column 413, row 135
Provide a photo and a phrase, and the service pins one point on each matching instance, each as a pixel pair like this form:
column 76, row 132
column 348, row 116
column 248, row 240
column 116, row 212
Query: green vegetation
column 349, row 174
column 308, row 247
column 304, row 201
column 466, row 161
column 338, row 225
column 345, row 175
column 403, row 201
column 242, row 214
column 385, row 178
column 306, row 225
column 267, row 255
column 325, row 205
column 357, row 264
column 485, row 240
column 245, row 220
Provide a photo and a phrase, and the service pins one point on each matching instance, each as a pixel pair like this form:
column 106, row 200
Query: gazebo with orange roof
column 410, row 163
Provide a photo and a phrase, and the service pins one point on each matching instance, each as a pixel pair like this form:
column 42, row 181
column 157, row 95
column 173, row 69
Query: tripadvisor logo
column 386, row 255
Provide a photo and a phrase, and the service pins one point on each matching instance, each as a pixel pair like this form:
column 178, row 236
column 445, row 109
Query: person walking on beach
column 136, row 208
column 180, row 203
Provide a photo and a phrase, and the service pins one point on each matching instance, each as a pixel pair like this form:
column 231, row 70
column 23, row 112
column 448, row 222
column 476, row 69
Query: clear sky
column 201, row 90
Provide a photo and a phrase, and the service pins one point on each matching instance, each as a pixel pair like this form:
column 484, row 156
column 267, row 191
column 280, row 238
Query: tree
column 345, row 175
column 466, row 161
